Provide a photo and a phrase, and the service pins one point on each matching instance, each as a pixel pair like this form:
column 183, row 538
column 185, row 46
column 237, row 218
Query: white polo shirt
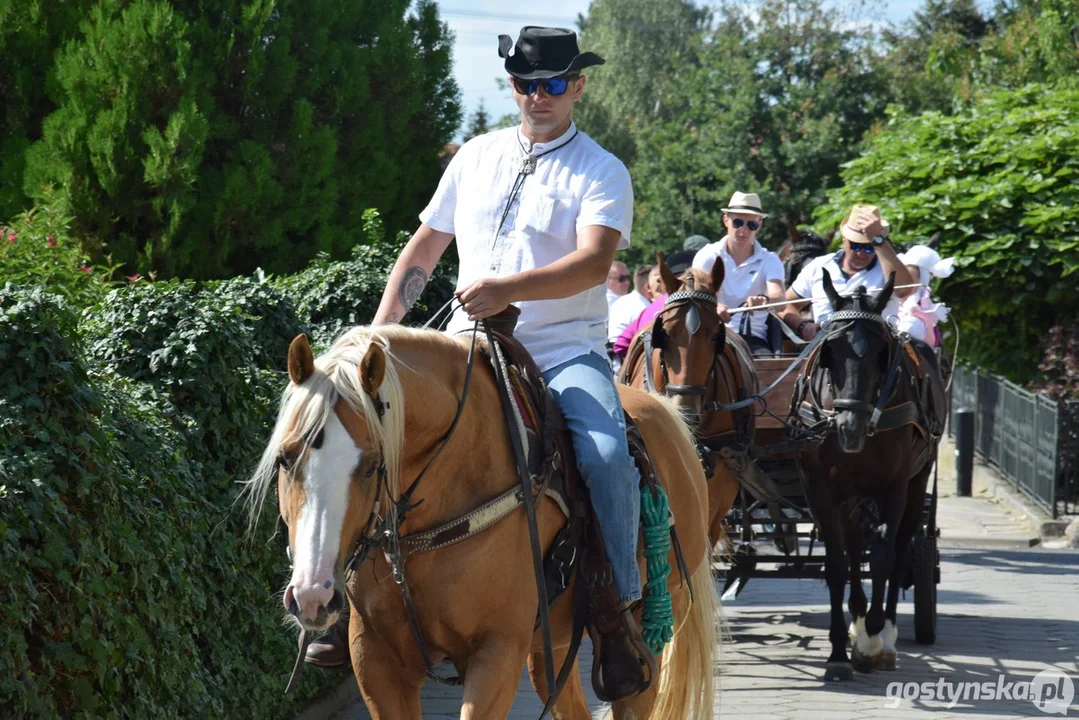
column 576, row 185
column 809, row 284
column 740, row 281
column 625, row 310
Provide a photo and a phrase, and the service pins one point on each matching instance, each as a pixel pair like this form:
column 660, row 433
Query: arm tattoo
column 412, row 286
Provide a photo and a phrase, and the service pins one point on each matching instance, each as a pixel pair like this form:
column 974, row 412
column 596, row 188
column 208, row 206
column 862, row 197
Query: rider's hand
column 755, row 300
column 484, row 298
column 809, row 331
column 866, row 223
column 724, row 312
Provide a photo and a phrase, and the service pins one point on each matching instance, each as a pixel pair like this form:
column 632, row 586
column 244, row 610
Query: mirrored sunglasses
column 753, row 225
column 552, row 86
column 862, row 248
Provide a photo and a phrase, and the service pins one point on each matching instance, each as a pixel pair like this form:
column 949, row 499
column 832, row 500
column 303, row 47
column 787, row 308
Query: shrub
column 126, row 587
column 37, row 248
column 334, row 296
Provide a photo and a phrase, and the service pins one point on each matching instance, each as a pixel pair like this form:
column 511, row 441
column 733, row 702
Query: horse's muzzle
column 314, row 615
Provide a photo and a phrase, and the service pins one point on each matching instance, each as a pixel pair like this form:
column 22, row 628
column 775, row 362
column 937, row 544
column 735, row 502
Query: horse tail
column 687, row 680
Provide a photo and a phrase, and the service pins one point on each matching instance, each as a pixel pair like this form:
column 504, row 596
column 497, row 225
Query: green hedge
column 129, row 587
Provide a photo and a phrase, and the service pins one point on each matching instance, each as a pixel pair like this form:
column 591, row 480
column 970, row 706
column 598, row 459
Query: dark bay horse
column 883, row 398
column 363, row 421
column 691, row 356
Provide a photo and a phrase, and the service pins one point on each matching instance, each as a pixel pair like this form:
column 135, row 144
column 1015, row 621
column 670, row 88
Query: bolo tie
column 527, row 167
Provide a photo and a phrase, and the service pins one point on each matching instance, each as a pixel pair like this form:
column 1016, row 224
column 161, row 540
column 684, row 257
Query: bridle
column 838, row 324
column 656, row 339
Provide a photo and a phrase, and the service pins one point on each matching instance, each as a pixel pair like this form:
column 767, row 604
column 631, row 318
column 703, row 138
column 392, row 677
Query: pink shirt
column 621, row 345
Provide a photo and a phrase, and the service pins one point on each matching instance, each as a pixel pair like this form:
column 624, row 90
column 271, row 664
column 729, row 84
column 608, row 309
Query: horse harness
column 807, row 407
column 546, row 465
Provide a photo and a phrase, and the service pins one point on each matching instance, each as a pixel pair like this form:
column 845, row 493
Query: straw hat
column 856, row 237
column 746, row 204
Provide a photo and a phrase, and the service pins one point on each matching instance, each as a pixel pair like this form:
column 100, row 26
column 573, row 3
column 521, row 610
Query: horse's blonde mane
column 305, row 408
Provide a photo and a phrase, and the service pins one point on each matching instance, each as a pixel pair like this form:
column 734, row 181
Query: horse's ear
column 934, row 240
column 373, row 368
column 829, row 290
column 301, row 361
column 719, row 270
column 670, row 282
column 885, row 294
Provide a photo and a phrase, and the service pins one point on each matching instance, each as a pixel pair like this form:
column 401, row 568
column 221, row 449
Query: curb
column 333, row 702
column 1048, row 529
column 988, row 543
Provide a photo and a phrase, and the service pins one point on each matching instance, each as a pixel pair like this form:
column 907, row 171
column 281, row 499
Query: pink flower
column 11, row 236
column 50, row 241
column 86, row 268
column 134, row 278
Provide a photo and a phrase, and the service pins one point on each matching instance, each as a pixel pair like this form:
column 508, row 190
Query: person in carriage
column 919, row 314
column 538, row 211
column 753, row 275
column 867, row 259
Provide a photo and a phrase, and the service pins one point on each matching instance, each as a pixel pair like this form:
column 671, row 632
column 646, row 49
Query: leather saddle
column 552, row 463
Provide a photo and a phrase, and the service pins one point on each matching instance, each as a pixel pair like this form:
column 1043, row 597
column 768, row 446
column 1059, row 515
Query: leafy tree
column 645, row 42
column 951, row 49
column 934, row 58
column 1000, row 182
column 774, row 102
column 208, row 138
column 478, row 124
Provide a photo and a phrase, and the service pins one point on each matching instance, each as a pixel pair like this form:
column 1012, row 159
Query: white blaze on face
column 318, row 529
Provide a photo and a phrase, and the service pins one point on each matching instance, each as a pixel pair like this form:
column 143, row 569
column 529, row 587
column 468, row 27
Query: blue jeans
column 586, row 394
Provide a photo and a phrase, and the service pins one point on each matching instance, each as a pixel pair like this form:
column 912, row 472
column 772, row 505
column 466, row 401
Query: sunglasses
column 620, row 278
column 753, row 225
column 552, row 86
column 861, row 248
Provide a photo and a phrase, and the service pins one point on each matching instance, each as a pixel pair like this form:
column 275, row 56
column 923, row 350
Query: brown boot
column 331, row 650
column 622, row 664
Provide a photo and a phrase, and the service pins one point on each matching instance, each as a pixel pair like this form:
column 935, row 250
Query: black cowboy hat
column 543, row 52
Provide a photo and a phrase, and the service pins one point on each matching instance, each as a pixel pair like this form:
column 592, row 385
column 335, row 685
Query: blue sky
column 477, row 24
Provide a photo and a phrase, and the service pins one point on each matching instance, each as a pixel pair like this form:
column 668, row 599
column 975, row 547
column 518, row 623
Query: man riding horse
column 538, row 212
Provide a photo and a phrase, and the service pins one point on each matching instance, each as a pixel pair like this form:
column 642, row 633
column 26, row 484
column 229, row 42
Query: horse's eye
column 285, row 462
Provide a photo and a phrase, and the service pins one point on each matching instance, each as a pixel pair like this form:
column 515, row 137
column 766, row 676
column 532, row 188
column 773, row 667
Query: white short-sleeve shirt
column 740, row 281
column 809, row 284
column 576, row 184
column 625, row 310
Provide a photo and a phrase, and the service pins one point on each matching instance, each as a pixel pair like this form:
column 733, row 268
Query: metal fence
column 1015, row 430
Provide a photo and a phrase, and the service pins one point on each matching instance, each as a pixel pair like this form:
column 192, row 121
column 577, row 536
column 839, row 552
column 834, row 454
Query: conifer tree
column 208, row 137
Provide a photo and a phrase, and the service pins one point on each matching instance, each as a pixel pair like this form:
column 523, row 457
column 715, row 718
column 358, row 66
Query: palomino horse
column 692, row 357
column 360, row 424
column 884, row 397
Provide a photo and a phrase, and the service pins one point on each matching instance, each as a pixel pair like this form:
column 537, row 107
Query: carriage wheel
column 924, row 569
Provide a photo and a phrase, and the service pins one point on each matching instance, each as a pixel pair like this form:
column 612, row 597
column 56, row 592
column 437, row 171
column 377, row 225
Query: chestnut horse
column 698, row 361
column 356, row 427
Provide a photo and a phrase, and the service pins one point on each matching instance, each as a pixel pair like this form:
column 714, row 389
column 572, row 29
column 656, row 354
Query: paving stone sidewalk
column 1003, row 609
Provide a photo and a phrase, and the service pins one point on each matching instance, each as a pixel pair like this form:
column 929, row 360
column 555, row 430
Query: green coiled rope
column 657, row 621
